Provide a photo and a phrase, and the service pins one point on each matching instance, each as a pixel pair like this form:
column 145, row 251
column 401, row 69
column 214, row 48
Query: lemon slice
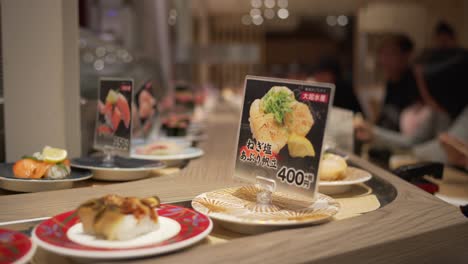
column 299, row 147
column 112, row 97
column 54, row 155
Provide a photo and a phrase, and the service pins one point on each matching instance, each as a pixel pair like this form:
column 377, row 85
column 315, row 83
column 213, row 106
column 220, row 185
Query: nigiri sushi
column 116, row 117
column 332, row 168
column 119, row 218
column 124, row 108
column 51, row 163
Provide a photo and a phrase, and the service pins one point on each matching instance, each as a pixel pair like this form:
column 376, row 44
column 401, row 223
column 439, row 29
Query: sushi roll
column 119, row 218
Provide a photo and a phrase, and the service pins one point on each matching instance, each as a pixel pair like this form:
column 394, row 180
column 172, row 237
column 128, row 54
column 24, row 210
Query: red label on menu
column 314, row 97
column 125, row 88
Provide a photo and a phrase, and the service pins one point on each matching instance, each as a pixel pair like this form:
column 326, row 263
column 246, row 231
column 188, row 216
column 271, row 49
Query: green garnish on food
column 62, row 166
column 30, row 157
column 278, row 103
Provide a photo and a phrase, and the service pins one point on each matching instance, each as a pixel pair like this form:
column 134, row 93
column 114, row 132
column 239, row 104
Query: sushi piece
column 160, row 148
column 59, row 171
column 100, row 107
column 122, row 105
column 265, row 129
column 51, row 163
column 104, row 130
column 332, row 168
column 299, row 120
column 30, row 169
column 107, row 112
column 119, row 218
column 116, row 118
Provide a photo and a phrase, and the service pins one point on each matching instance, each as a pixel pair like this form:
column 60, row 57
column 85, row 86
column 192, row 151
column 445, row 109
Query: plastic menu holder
column 113, row 130
column 281, row 136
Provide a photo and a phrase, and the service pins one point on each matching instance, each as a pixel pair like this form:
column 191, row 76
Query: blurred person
column 441, row 80
column 401, row 89
column 329, row 71
column 444, row 36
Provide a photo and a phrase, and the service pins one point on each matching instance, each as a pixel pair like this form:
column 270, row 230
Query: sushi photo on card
column 281, row 133
column 114, row 114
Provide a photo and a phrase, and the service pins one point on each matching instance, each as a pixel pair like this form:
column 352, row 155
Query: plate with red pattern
column 57, row 235
column 15, row 247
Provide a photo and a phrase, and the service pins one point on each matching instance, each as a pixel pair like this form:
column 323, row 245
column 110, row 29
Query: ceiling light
column 99, row 65
column 342, row 20
column 269, row 3
column 283, row 13
column 258, row 20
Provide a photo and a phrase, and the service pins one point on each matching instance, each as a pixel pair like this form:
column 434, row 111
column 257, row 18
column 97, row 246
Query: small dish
column 9, row 182
column 122, row 169
column 15, row 247
column 60, row 235
column 353, row 175
column 236, row 209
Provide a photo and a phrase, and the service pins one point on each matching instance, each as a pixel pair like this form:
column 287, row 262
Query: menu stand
column 109, row 157
column 264, row 196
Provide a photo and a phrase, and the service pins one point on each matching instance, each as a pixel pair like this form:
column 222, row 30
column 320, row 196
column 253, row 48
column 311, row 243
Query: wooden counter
column 415, row 227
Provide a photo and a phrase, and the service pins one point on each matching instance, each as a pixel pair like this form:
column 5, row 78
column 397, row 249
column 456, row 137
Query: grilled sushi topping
column 126, row 205
column 113, row 217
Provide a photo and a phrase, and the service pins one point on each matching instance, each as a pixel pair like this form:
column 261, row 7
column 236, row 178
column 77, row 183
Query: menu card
column 145, row 106
column 281, row 133
column 114, row 115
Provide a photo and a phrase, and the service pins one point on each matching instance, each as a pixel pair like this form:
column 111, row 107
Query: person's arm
column 385, row 137
column 433, row 151
column 424, row 132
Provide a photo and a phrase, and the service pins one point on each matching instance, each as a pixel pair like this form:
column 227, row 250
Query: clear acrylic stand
column 109, row 157
column 264, row 196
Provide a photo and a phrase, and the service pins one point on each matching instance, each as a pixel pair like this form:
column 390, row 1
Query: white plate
column 167, row 228
column 236, row 209
column 188, row 153
column 353, row 175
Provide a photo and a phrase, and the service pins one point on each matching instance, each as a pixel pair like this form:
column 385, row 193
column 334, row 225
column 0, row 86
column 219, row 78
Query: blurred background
column 209, row 46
